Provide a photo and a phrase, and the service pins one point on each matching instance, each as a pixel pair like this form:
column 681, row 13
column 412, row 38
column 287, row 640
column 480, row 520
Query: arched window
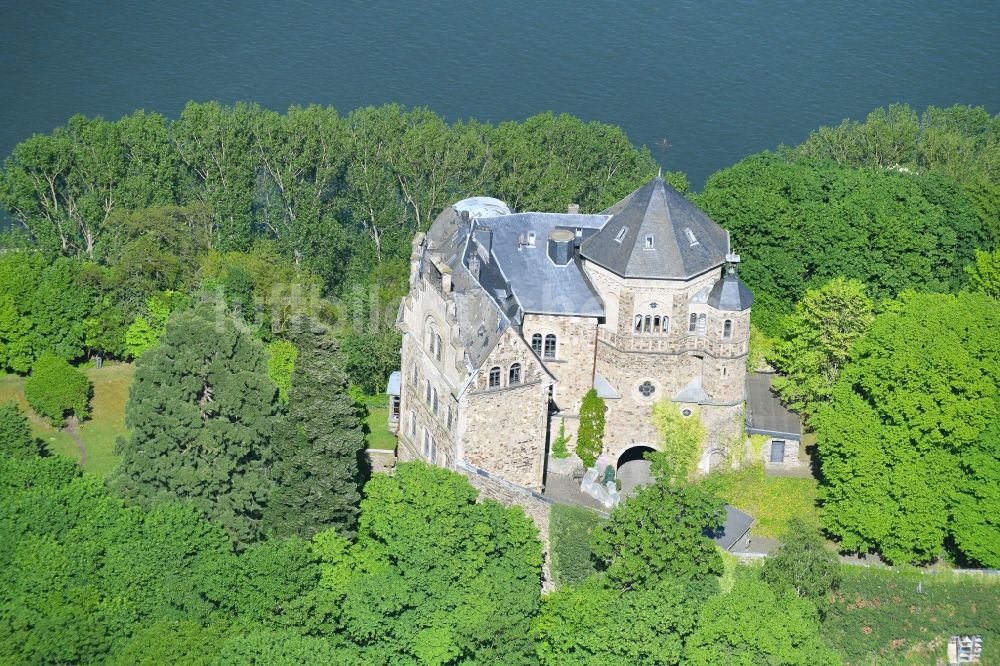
column 727, row 328
column 515, row 374
column 665, row 325
column 693, row 326
column 434, row 401
column 550, row 346
column 536, row 343
column 638, row 323
column 701, row 324
column 495, row 377
column 437, row 346
column 451, row 417
column 413, row 424
column 656, row 324
column 647, row 324
column 427, row 392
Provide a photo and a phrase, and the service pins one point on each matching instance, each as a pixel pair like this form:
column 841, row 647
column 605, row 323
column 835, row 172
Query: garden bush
column 56, row 390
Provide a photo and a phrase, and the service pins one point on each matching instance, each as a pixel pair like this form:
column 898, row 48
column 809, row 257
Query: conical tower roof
column 656, row 233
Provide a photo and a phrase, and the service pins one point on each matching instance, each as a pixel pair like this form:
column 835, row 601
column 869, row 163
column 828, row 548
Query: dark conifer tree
column 203, row 416
column 317, row 474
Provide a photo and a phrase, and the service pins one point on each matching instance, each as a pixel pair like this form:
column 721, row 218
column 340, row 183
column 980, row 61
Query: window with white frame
column 514, row 376
column 536, row 343
column 649, row 242
column 495, row 377
column 550, row 346
column 701, row 324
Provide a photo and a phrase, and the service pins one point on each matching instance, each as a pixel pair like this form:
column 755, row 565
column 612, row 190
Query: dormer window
column 692, row 239
column 649, row 242
column 579, row 232
column 531, row 239
column 621, row 235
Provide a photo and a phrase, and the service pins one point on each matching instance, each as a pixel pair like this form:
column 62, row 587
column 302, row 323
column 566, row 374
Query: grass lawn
column 377, row 433
column 98, row 434
column 772, row 500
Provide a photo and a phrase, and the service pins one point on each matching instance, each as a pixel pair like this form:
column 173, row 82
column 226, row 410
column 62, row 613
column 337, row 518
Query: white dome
column 482, row 207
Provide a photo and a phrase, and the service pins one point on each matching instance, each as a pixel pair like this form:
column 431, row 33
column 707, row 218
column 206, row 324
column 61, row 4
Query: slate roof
column 604, row 389
column 686, row 242
column 765, row 413
column 730, row 294
column 481, row 321
column 538, row 284
column 735, row 528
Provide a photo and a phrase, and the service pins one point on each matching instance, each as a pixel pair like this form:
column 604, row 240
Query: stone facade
column 490, row 371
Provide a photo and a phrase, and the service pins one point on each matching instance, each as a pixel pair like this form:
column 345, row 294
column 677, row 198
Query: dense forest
column 250, row 263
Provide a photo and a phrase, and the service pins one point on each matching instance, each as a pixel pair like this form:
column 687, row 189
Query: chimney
column 573, row 209
column 465, row 217
column 561, row 246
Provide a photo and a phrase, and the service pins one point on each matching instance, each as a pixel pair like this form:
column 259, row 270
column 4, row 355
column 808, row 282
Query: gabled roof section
column 656, row 233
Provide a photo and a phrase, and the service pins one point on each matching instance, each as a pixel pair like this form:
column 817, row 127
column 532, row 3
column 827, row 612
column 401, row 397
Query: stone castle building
column 512, row 317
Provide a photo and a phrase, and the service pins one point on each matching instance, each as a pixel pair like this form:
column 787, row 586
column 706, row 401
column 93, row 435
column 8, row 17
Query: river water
column 718, row 80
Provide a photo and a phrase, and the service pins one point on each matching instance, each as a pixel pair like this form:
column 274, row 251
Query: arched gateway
column 633, row 468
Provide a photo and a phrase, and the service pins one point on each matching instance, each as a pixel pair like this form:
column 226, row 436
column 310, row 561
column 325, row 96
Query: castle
column 512, row 317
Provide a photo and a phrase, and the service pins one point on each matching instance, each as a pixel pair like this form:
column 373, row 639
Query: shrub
column 56, row 389
column 16, row 440
column 570, row 531
column 559, row 449
column 590, row 438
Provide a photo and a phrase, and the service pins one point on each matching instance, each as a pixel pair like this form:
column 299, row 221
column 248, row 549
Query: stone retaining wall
column 535, row 506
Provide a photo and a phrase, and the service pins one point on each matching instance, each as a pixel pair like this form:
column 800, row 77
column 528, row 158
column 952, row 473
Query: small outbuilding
column 392, row 390
column 766, row 416
column 735, row 535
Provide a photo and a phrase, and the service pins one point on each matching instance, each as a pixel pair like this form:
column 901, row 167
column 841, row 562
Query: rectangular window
column 777, row 450
column 649, row 241
column 434, row 401
column 693, row 326
column 413, row 425
column 450, row 417
column 434, row 450
column 621, row 235
column 579, row 232
column 531, row 239
column 427, row 392
column 427, row 443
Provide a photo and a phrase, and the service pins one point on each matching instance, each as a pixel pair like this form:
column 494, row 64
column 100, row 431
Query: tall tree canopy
column 316, row 473
column 817, row 341
column 801, row 224
column 661, row 532
column 753, row 625
column 203, row 416
column 435, row 576
column 903, row 417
